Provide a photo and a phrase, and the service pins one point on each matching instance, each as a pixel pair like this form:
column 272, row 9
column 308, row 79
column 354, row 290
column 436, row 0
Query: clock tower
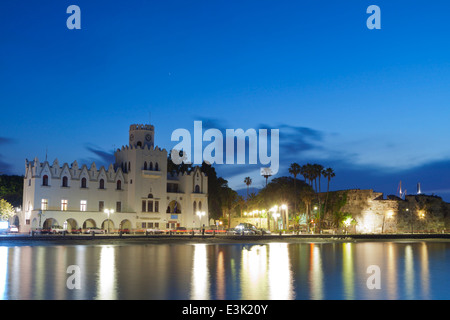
column 142, row 135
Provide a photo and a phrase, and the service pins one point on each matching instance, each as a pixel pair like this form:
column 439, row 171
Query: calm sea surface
column 407, row 269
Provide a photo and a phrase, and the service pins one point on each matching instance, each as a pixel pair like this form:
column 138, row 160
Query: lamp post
column 200, row 214
column 285, row 217
column 275, row 216
column 108, row 211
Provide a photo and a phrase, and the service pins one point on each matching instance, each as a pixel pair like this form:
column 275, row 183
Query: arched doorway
column 125, row 226
column 48, row 223
column 72, row 225
column 89, row 223
column 174, row 207
column 109, row 226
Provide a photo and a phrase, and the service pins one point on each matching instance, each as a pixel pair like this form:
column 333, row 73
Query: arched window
column 83, row 183
column 65, row 181
column 119, row 185
column 199, row 206
column 101, row 184
column 195, row 207
column 145, row 165
column 129, row 166
column 139, row 144
column 45, row 180
column 197, row 189
column 150, row 166
column 150, row 196
column 156, row 166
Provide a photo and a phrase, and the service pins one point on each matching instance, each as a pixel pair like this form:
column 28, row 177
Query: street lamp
column 200, row 214
column 108, row 211
column 275, row 216
column 285, row 216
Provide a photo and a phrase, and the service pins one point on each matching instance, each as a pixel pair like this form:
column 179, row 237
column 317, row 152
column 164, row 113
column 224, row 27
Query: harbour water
column 226, row 271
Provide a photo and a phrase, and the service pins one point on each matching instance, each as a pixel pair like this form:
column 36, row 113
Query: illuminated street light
column 108, row 211
column 275, row 216
column 200, row 214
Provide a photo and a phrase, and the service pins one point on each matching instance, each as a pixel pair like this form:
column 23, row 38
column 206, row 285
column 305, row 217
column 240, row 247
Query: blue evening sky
column 371, row 104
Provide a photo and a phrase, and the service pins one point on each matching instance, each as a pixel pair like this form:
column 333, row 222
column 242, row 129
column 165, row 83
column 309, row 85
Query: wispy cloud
column 5, row 168
column 101, row 157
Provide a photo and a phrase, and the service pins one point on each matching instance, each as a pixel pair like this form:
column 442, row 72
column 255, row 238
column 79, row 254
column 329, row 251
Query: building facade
column 135, row 193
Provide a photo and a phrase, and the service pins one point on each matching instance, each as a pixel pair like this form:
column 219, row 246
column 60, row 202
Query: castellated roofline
column 145, row 146
column 141, row 127
column 36, row 168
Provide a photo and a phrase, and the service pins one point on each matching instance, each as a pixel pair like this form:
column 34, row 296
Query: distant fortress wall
column 372, row 213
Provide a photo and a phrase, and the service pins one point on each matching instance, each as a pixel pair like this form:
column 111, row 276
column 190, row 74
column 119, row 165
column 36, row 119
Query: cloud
column 102, row 157
column 5, row 168
column 4, row 140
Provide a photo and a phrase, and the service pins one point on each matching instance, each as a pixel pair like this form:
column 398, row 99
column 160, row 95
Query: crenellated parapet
column 37, row 169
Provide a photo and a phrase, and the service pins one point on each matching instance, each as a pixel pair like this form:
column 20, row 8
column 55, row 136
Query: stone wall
column 372, row 213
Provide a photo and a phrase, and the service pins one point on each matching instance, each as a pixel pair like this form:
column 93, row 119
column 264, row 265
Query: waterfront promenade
column 217, row 238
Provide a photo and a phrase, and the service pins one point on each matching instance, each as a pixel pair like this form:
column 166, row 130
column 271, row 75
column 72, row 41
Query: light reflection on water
column 272, row 271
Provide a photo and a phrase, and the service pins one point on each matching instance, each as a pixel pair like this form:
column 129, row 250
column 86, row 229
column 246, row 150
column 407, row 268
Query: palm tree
column 307, row 196
column 306, row 172
column 266, row 173
column 248, row 182
column 318, row 172
column 328, row 173
column 295, row 169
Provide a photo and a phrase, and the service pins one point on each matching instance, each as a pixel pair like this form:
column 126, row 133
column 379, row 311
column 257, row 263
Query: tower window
column 65, row 181
column 119, row 185
column 45, row 180
column 83, row 183
column 101, row 184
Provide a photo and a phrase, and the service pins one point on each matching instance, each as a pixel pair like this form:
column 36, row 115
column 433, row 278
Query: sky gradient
column 371, row 104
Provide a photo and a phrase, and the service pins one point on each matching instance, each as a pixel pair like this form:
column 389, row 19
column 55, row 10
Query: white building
column 137, row 187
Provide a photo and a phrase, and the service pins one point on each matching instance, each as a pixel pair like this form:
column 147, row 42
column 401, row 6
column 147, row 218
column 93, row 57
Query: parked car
column 246, row 232
column 264, row 231
column 231, row 231
column 76, row 231
column 95, row 230
column 246, row 229
column 155, row 231
column 43, row 230
column 180, row 230
column 56, row 229
column 13, row 229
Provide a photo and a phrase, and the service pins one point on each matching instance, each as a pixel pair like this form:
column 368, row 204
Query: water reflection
column 414, row 270
column 200, row 274
column 315, row 273
column 348, row 271
column 106, row 285
column 3, row 271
